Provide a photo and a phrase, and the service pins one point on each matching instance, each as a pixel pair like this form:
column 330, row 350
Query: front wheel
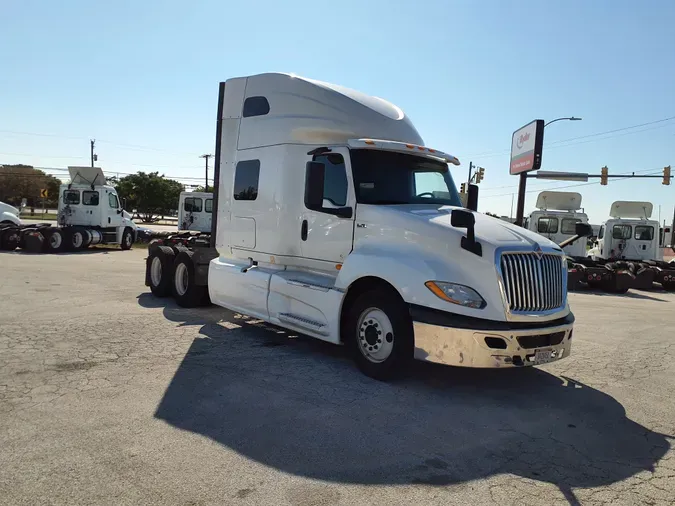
column 379, row 334
column 127, row 239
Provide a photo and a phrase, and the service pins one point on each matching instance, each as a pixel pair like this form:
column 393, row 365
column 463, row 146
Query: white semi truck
column 332, row 218
column 626, row 253
column 89, row 213
column 194, row 211
column 556, row 217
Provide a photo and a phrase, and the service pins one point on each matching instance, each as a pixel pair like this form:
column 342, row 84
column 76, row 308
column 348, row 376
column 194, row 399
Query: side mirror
column 583, row 229
column 462, row 219
column 314, row 179
column 465, row 219
column 472, row 199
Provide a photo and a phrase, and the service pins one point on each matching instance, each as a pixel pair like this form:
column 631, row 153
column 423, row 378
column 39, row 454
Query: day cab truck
column 556, row 217
column 333, row 219
column 89, row 213
column 194, row 211
column 627, row 253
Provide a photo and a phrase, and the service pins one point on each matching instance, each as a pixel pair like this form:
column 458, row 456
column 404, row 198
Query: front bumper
column 456, row 340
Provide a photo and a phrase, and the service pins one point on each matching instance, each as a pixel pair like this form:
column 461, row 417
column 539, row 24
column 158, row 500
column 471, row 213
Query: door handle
column 303, row 230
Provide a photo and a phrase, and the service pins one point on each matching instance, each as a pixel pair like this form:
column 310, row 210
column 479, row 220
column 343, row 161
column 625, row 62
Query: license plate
column 543, row 357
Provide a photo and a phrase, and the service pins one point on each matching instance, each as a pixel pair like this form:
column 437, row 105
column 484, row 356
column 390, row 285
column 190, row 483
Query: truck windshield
column 387, row 178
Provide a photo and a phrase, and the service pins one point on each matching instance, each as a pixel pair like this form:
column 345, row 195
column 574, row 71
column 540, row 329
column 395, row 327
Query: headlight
column 457, row 294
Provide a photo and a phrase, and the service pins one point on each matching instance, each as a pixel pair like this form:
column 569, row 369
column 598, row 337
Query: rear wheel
column 55, row 240
column 186, row 292
column 379, row 333
column 160, row 270
column 76, row 238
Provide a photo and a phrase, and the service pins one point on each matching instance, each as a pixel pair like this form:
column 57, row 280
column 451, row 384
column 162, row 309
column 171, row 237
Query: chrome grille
column 533, row 284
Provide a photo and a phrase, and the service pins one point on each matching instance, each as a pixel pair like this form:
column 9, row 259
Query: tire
column 185, row 291
column 159, row 267
column 127, row 239
column 55, row 240
column 87, row 238
column 372, row 318
column 76, row 238
column 9, row 239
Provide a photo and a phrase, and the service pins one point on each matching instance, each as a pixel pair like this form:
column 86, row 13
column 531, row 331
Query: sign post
column 44, row 193
column 526, row 147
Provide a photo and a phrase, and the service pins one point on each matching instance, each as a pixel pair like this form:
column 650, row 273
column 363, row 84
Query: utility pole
column 470, row 170
column 206, row 180
column 92, row 142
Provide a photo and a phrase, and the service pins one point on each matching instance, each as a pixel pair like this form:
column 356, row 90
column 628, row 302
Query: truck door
column 113, row 210
column 325, row 236
column 192, row 213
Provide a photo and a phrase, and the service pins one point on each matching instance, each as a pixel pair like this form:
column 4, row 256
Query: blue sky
column 142, row 79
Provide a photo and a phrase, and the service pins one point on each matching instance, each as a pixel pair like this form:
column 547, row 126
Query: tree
column 24, row 181
column 149, row 194
column 209, row 189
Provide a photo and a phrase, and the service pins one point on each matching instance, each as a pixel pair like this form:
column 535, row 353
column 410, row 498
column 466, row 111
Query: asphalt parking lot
column 111, row 396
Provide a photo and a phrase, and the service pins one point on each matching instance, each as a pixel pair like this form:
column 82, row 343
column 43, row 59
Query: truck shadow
column 300, row 406
column 631, row 294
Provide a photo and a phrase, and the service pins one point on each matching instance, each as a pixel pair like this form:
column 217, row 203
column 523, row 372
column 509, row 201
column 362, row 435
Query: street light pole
column 522, row 184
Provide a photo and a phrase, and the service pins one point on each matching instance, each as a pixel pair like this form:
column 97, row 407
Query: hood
column 6, row 208
column 490, row 230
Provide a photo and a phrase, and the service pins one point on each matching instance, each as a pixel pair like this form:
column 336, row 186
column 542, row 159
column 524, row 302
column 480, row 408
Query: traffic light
column 463, row 188
column 603, row 176
column 480, row 174
column 666, row 175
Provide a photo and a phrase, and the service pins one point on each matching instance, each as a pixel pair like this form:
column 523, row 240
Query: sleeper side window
column 621, row 231
column 547, row 225
column 255, row 106
column 71, row 197
column 193, row 205
column 644, row 233
column 246, row 179
column 335, row 178
column 90, row 198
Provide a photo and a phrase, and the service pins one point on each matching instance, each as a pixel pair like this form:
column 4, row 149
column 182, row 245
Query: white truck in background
column 626, row 253
column 9, row 215
column 89, row 213
column 333, row 219
column 194, row 211
column 556, row 217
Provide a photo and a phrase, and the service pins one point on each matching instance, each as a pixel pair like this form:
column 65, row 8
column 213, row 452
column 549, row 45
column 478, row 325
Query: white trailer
column 334, row 219
column 194, row 211
column 89, row 213
column 556, row 217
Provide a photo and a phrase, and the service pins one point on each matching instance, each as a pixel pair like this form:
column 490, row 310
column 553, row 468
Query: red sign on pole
column 526, row 147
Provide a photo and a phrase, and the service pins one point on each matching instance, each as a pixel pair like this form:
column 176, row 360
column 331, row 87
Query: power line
column 490, row 154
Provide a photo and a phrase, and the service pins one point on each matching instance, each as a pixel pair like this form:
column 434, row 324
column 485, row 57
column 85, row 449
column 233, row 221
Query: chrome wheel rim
column 375, row 335
column 55, row 240
column 127, row 240
column 156, row 271
column 181, row 279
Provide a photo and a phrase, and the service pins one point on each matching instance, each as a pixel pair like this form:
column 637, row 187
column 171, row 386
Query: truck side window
column 644, row 233
column 71, row 197
column 246, row 178
column 90, row 198
column 601, row 234
column 568, row 225
column 547, row 225
column 621, row 231
column 113, row 201
column 335, row 180
column 208, row 205
column 193, row 205
column 255, row 106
